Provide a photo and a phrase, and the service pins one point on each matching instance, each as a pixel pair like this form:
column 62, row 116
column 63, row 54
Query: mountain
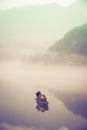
column 35, row 27
column 75, row 41
column 71, row 49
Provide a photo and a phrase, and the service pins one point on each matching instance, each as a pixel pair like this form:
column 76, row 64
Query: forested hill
column 75, row 41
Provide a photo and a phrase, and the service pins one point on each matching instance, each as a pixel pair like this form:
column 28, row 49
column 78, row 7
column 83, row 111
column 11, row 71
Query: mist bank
column 62, row 78
column 47, row 58
column 42, row 57
column 54, row 58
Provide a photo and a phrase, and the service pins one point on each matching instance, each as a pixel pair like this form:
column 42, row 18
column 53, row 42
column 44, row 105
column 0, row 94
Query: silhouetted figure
column 38, row 93
column 42, row 103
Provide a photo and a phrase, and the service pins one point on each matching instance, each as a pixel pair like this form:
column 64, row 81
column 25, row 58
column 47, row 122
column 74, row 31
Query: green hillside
column 75, row 41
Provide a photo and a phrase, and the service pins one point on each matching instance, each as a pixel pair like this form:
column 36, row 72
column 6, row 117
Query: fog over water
column 64, row 86
column 28, row 29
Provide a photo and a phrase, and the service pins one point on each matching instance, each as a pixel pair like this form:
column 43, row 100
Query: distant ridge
column 75, row 41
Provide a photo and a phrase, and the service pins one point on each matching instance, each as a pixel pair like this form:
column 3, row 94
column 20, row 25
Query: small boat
column 42, row 103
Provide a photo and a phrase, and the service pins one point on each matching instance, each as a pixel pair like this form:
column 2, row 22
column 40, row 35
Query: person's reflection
column 42, row 103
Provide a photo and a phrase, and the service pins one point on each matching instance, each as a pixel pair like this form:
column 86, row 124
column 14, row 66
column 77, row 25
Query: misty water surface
column 64, row 86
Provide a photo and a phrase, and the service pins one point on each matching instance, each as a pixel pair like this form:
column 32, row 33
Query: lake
column 64, row 86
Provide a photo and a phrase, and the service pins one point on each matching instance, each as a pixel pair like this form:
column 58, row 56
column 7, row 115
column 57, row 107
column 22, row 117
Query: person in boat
column 42, row 103
column 38, row 94
column 40, row 97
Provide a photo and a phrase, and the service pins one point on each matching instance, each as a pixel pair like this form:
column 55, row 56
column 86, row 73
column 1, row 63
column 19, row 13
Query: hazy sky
column 7, row 4
column 36, row 24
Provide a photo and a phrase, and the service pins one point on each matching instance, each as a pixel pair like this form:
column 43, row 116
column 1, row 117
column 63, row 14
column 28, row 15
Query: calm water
column 64, row 86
